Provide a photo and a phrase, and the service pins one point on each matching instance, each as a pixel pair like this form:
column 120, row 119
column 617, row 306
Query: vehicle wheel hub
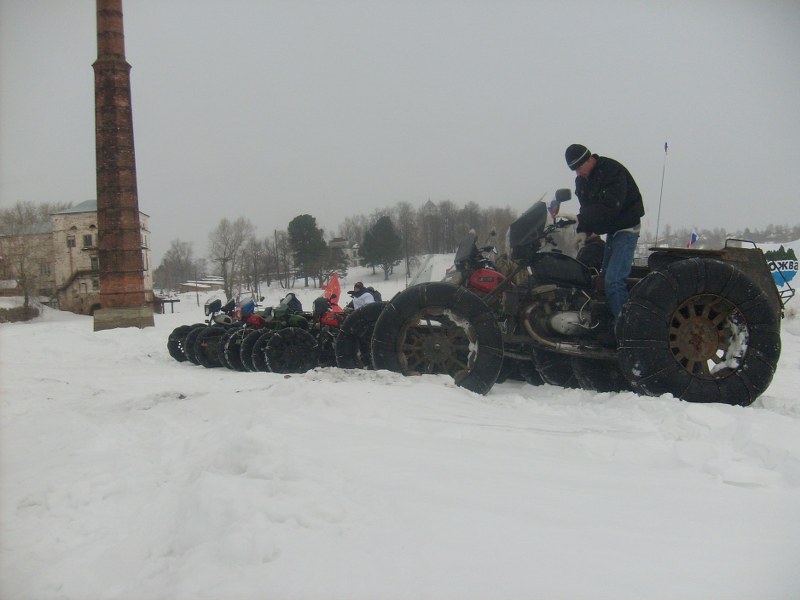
column 702, row 333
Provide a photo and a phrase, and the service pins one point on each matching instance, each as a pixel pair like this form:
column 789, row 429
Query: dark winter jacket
column 610, row 199
column 294, row 305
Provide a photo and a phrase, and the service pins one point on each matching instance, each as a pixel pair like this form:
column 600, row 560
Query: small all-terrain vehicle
column 702, row 325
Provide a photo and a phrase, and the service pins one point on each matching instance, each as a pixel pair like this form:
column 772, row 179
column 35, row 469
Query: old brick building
column 76, row 264
column 62, row 257
column 26, row 262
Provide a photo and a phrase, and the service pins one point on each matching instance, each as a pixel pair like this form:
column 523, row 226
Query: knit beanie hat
column 576, row 155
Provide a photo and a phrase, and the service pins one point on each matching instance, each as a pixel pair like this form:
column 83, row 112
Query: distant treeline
column 715, row 238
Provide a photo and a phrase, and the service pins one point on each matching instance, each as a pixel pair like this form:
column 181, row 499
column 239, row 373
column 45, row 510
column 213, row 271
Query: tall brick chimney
column 124, row 299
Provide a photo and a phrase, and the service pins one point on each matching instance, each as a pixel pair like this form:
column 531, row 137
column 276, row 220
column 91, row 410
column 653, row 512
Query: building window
column 95, row 263
column 44, row 268
column 95, row 283
column 87, row 240
column 70, row 241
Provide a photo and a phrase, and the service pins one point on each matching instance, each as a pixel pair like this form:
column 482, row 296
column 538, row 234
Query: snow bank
column 124, row 474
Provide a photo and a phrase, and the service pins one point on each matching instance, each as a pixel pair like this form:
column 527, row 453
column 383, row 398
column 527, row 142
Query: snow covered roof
column 85, row 206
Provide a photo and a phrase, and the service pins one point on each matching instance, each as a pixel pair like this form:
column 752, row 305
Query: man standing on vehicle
column 361, row 296
column 611, row 204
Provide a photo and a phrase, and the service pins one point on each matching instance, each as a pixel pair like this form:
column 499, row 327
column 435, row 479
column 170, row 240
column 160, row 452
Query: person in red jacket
column 611, row 204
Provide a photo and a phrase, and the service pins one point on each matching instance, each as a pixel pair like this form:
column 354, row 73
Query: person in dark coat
column 611, row 204
column 294, row 305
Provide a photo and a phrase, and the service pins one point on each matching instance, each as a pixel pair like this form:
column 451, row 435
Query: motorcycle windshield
column 528, row 228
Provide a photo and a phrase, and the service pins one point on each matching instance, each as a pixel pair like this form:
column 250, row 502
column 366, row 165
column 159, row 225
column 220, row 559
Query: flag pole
column 663, row 170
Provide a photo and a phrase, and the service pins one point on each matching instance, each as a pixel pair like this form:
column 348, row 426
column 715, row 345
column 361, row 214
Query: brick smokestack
column 124, row 299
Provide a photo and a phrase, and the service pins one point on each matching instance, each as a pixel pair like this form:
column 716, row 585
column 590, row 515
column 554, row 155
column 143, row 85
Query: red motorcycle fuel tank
column 485, row 280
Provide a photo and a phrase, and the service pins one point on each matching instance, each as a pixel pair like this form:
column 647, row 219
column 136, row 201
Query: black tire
column 353, row 342
column 231, row 349
column 206, row 346
column 326, row 341
column 246, row 348
column 291, row 350
column 599, row 375
column 221, row 348
column 508, row 369
column 528, row 372
column 700, row 330
column 189, row 343
column 554, row 368
column 439, row 328
column 259, row 356
column 175, row 342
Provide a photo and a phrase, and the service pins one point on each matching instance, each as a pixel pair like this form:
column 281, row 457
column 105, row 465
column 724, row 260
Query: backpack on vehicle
column 321, row 306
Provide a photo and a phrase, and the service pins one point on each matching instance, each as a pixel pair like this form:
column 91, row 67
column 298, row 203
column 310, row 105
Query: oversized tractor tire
column 230, row 348
column 246, row 348
column 439, row 328
column 527, row 370
column 599, row 375
column 519, row 368
column 555, row 368
column 701, row 330
column 175, row 342
column 326, row 343
column 352, row 347
column 291, row 350
column 206, row 346
column 189, row 343
column 259, row 352
column 221, row 348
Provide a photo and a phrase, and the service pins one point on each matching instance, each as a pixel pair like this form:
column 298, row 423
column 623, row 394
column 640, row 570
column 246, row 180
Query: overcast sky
column 270, row 109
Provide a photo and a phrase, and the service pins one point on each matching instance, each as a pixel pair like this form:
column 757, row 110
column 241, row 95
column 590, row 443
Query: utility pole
column 123, row 295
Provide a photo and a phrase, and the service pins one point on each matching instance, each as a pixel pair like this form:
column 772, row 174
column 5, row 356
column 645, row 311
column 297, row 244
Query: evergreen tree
column 307, row 244
column 382, row 246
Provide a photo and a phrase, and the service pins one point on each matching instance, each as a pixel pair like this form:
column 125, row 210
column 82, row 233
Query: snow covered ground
column 127, row 475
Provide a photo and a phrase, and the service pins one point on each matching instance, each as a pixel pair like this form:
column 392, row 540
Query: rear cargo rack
column 784, row 295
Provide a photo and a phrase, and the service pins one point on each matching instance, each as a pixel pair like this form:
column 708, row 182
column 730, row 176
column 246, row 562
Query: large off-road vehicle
column 702, row 325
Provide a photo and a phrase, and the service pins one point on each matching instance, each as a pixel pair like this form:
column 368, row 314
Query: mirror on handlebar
column 562, row 195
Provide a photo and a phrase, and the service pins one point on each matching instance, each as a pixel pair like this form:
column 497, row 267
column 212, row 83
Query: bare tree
column 177, row 266
column 354, row 227
column 406, row 219
column 279, row 261
column 254, row 267
column 225, row 249
column 448, row 213
column 26, row 246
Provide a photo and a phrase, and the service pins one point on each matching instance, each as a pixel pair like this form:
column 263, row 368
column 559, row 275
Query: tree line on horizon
column 384, row 239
